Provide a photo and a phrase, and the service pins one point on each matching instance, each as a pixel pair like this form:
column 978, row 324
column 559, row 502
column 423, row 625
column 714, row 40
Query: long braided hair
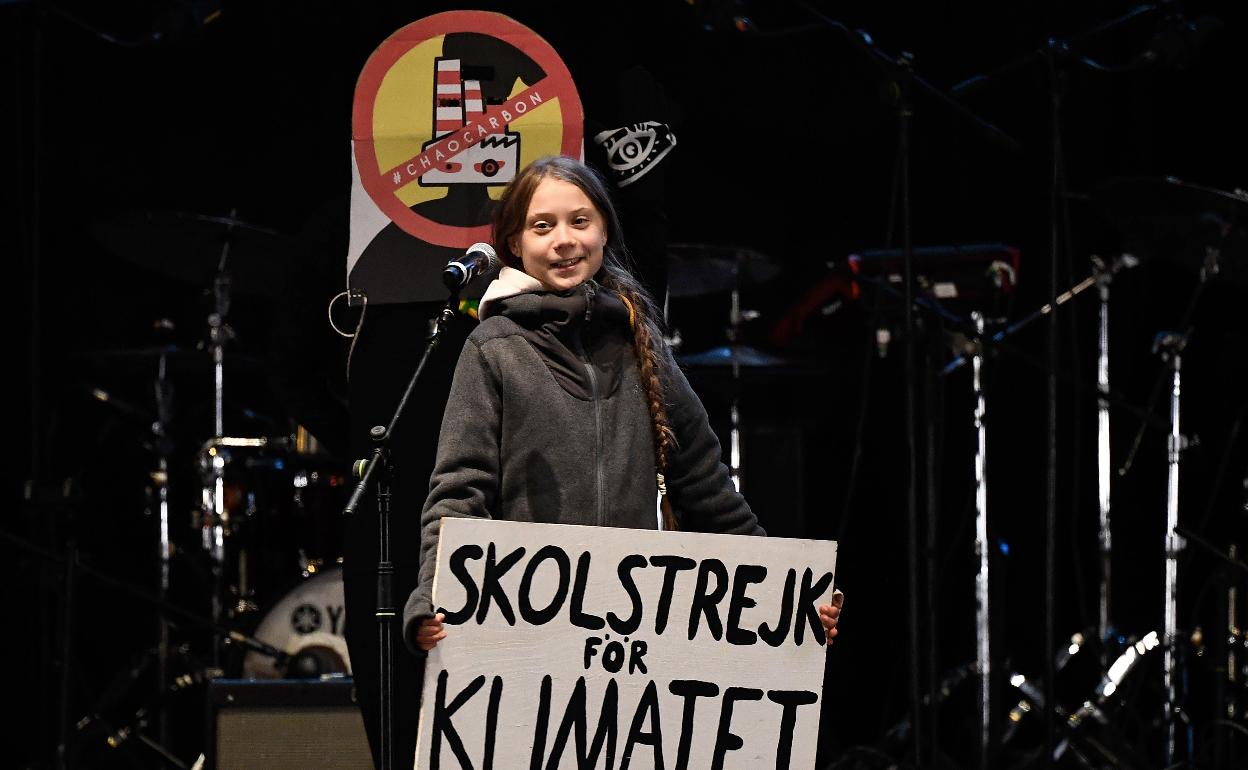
column 616, row 275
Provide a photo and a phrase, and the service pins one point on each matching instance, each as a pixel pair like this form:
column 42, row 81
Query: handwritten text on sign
column 590, row 647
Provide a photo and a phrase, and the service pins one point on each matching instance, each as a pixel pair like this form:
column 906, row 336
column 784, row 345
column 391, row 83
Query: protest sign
column 594, row 647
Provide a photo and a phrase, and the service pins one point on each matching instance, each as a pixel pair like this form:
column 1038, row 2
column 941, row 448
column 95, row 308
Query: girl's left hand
column 829, row 614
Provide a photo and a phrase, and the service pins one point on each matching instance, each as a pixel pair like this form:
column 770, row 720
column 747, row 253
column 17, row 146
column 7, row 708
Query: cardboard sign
column 447, row 110
column 594, row 647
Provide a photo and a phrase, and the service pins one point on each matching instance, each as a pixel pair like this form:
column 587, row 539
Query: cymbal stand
column 734, row 410
column 1170, row 345
column 1105, row 533
column 1233, row 572
column 983, row 633
column 160, row 496
column 1104, row 277
column 216, row 520
column 975, row 355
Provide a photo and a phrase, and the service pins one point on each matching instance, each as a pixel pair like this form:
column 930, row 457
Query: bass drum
column 308, row 624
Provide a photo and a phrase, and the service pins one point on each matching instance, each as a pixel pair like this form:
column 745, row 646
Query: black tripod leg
column 67, row 651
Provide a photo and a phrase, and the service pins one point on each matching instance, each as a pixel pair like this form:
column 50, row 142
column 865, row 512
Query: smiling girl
column 567, row 406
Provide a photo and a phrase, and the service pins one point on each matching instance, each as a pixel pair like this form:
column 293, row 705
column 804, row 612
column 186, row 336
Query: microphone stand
column 380, row 469
column 904, row 82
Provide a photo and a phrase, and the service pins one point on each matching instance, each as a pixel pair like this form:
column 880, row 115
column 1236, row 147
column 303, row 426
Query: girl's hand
column 830, row 614
column 431, row 631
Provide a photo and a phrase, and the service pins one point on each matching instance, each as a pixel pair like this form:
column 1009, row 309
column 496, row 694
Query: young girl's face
column 563, row 236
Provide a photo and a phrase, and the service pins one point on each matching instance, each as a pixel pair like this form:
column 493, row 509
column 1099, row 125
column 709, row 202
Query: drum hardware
column 1194, row 225
column 957, row 688
column 1055, row 59
column 188, row 246
column 974, row 350
column 1089, row 706
column 160, row 493
column 119, row 732
column 158, row 441
column 308, row 625
column 1197, row 227
column 1170, row 345
column 696, row 269
column 699, row 269
column 230, row 256
column 1104, row 462
column 279, row 516
column 1191, row 224
column 1228, row 649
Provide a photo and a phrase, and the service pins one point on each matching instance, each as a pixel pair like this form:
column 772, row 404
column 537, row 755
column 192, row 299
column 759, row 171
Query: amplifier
column 281, row 724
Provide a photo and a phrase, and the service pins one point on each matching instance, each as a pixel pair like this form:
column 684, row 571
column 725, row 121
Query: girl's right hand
column 430, row 632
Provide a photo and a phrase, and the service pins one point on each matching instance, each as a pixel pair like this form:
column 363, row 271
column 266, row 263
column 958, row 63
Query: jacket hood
column 587, row 326
column 509, row 283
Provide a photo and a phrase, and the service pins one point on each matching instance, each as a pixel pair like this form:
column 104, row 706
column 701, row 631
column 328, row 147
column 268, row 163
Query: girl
column 567, row 406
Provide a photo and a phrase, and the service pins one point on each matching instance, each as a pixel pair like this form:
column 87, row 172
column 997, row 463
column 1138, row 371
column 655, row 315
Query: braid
column 647, row 341
column 648, row 362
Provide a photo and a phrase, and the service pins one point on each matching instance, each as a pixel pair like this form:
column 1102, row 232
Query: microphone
column 480, row 259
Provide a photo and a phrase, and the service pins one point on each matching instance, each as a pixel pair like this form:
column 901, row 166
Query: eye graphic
column 630, row 150
column 633, row 150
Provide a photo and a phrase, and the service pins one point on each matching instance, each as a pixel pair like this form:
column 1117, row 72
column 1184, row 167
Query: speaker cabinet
column 285, row 724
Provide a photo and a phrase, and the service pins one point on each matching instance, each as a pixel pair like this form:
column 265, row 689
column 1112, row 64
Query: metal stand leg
column 1105, row 535
column 160, row 481
column 63, row 748
column 1170, row 345
column 735, row 317
column 983, row 646
column 160, row 496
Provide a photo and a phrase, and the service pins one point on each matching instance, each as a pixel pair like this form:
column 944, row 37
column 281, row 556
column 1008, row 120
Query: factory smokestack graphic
column 494, row 159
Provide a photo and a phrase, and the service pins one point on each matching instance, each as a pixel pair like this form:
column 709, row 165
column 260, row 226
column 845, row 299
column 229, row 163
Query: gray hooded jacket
column 547, row 422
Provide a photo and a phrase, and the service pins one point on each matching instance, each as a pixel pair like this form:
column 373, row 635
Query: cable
column 355, row 336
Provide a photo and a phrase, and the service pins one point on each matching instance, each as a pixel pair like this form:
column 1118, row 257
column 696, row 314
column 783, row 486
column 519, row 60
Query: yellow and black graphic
column 446, row 111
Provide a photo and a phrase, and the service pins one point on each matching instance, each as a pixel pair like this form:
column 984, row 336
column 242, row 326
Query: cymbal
column 741, row 355
column 178, row 357
column 188, row 247
column 1167, row 218
column 695, row 269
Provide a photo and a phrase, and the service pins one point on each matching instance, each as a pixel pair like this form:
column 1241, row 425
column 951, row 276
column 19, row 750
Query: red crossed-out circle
column 557, row 84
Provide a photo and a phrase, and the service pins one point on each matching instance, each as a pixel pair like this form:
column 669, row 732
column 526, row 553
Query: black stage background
column 785, row 146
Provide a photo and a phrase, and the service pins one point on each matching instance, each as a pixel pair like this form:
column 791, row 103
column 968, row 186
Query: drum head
column 308, row 624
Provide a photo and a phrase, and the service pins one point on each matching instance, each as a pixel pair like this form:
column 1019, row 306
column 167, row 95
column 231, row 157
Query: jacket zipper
column 593, row 387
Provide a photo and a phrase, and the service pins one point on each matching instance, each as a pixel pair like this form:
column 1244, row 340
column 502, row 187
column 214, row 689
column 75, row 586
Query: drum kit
column 697, row 270
column 258, row 515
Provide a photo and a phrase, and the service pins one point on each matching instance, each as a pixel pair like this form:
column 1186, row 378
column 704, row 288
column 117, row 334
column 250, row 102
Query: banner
column 446, row 111
column 594, row 647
